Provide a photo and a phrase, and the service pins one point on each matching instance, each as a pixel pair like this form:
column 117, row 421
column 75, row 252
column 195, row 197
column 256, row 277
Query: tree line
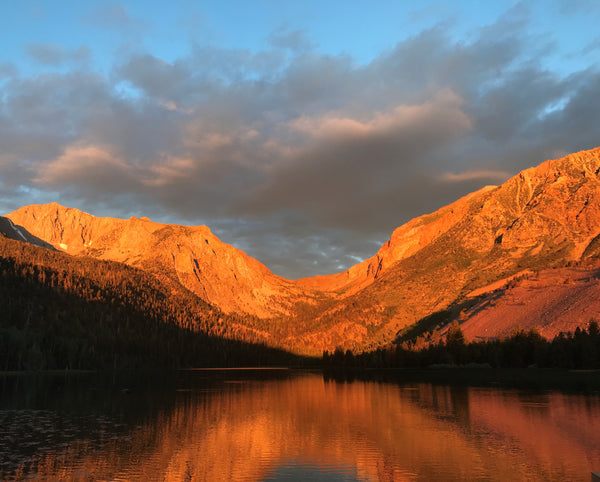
column 520, row 349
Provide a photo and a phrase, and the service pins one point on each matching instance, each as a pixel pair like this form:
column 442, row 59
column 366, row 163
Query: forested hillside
column 64, row 312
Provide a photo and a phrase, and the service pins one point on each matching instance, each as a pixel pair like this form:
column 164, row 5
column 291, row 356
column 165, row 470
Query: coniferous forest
column 520, row 349
column 61, row 312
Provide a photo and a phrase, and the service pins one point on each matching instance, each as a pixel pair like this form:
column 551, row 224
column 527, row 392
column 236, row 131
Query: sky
column 302, row 132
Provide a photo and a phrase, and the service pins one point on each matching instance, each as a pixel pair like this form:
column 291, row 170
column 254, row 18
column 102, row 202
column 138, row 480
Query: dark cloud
column 569, row 127
column 55, row 54
column 41, row 115
column 306, row 161
column 349, row 166
column 517, row 102
column 157, row 78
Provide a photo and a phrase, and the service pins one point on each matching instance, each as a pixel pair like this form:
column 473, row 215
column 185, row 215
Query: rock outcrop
column 18, row 233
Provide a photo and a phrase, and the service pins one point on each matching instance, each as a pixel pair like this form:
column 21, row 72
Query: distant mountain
column 544, row 218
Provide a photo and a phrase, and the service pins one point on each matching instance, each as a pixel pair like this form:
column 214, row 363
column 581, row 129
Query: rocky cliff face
column 545, row 217
column 405, row 241
column 217, row 272
column 542, row 208
column 552, row 207
column 550, row 301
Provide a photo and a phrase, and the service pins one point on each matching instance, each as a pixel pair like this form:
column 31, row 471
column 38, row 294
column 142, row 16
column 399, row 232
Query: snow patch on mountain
column 17, row 230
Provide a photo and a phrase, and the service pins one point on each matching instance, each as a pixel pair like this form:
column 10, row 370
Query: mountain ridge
column 217, row 272
column 542, row 218
column 404, row 242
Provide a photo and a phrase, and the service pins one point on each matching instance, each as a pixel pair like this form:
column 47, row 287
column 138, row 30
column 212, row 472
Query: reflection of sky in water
column 300, row 470
column 293, row 427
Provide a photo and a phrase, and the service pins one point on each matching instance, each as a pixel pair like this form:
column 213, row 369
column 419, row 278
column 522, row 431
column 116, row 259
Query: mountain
column 191, row 255
column 544, row 217
column 61, row 311
column 536, row 210
column 550, row 301
column 405, row 241
column 10, row 231
column 432, row 270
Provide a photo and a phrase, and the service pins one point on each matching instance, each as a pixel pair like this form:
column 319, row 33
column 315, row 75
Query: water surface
column 288, row 425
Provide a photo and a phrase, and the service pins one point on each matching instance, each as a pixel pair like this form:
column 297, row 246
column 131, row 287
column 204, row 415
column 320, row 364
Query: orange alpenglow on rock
column 217, row 272
column 482, row 245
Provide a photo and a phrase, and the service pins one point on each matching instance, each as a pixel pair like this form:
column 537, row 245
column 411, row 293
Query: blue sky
column 360, row 29
column 301, row 132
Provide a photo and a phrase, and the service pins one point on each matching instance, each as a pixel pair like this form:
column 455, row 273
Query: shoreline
column 587, row 380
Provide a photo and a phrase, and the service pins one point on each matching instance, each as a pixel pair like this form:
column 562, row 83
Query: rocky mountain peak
column 217, row 272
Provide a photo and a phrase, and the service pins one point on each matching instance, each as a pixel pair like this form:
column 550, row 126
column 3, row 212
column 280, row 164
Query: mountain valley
column 525, row 252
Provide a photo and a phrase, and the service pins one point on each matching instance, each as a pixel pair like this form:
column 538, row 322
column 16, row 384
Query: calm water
column 243, row 425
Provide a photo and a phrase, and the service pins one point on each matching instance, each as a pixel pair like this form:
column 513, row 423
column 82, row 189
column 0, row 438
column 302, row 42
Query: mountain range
column 526, row 252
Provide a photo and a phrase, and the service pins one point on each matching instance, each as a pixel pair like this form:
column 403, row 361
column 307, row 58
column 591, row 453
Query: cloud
column 350, row 168
column 591, row 48
column 294, row 40
column 403, row 120
column 171, row 171
column 8, row 70
column 55, row 54
column 305, row 160
column 573, row 7
column 474, row 176
column 82, row 165
column 115, row 17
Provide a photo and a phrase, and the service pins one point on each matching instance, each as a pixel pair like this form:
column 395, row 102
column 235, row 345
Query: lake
column 220, row 425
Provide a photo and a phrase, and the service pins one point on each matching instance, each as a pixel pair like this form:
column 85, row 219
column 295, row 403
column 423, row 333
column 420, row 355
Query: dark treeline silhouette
column 64, row 312
column 578, row 350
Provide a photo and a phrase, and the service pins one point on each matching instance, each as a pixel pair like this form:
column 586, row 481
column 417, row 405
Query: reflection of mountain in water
column 247, row 429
